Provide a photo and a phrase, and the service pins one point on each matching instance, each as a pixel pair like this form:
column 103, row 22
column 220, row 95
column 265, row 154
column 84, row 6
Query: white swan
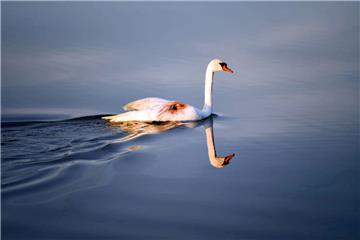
column 158, row 109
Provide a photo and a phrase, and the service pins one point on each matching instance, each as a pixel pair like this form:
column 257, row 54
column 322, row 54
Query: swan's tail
column 129, row 116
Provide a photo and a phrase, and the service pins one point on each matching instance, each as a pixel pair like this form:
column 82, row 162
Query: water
column 86, row 179
column 289, row 114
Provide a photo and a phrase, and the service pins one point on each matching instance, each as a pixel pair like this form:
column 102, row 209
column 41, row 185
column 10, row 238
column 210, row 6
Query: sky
column 82, row 58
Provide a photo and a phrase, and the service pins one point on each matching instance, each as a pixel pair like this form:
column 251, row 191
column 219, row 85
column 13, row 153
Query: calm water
column 290, row 115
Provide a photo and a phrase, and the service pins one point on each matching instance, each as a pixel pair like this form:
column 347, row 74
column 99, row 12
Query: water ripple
column 37, row 154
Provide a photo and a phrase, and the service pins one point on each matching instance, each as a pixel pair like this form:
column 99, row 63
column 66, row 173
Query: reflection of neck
column 215, row 161
column 208, row 90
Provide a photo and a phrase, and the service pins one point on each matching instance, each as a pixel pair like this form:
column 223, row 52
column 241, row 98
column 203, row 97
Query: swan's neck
column 208, row 91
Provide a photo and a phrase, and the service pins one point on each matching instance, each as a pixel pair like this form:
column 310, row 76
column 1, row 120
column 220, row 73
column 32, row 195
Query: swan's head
column 217, row 65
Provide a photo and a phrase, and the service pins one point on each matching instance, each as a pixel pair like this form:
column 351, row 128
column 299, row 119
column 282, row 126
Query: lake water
column 290, row 114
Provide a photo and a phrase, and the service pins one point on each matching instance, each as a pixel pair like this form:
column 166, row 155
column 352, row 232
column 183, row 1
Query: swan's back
column 144, row 103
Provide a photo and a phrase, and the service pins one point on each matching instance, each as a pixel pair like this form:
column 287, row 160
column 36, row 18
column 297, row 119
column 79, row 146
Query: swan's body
column 158, row 109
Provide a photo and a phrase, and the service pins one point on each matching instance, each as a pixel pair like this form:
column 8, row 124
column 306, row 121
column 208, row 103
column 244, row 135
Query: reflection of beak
column 227, row 69
column 228, row 158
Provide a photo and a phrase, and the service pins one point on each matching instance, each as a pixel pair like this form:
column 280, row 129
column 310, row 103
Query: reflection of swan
column 137, row 129
column 216, row 161
column 158, row 109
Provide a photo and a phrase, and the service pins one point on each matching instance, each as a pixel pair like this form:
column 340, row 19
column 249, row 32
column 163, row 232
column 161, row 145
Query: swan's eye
column 223, row 64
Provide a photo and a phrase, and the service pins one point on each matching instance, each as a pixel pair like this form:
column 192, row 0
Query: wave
column 36, row 153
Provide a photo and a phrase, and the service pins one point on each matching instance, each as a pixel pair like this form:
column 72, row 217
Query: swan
column 162, row 110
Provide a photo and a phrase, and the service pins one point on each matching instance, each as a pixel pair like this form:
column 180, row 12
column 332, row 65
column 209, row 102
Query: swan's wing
column 172, row 108
column 144, row 103
column 162, row 112
column 176, row 111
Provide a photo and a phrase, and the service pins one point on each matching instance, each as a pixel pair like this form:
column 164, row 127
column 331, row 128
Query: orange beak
column 227, row 69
